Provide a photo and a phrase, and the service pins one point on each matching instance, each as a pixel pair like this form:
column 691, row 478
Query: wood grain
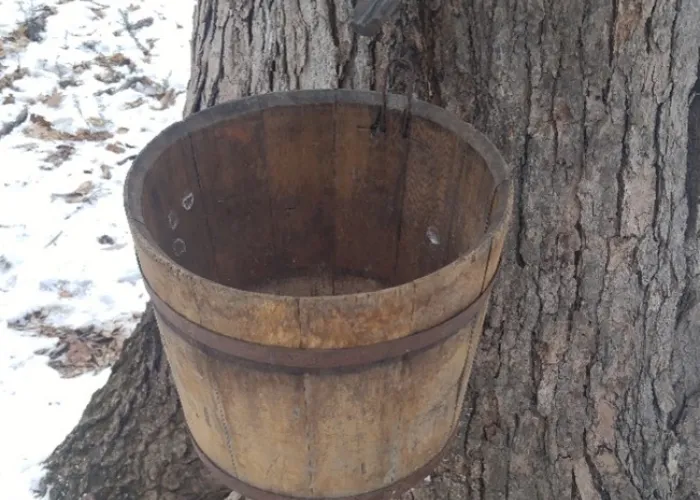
column 174, row 210
column 316, row 233
column 299, row 152
column 196, row 384
column 369, row 184
column 234, row 176
column 431, row 178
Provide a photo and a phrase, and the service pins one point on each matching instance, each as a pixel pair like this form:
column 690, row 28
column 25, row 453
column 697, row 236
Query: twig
column 131, row 29
column 76, row 103
column 77, row 209
column 100, row 5
column 124, row 160
column 53, row 240
column 129, row 83
column 7, row 128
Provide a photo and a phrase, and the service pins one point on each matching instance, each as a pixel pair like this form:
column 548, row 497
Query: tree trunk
column 587, row 384
column 132, row 442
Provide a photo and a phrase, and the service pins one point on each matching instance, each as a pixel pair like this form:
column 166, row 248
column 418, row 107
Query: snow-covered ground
column 84, row 85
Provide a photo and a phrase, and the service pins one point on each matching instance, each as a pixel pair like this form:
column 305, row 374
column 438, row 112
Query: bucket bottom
column 318, row 282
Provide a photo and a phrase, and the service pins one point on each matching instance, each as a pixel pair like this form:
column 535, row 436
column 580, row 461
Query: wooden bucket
column 320, row 263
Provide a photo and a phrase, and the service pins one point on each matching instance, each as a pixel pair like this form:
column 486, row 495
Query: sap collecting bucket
column 320, row 263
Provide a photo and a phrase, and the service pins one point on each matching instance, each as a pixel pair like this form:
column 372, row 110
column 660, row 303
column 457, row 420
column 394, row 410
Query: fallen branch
column 97, row 4
column 127, row 159
column 129, row 83
column 132, row 28
column 53, row 240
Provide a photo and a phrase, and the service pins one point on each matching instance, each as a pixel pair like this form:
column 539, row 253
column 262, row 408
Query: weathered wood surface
column 435, row 194
column 410, row 213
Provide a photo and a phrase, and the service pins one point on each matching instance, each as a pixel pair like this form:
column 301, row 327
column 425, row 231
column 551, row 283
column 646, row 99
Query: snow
column 94, row 95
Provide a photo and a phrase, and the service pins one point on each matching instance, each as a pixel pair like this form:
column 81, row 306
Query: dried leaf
column 109, row 76
column 68, row 82
column 142, row 23
column 85, row 188
column 34, row 25
column 96, row 121
column 7, row 128
column 126, row 160
column 89, row 135
column 5, row 265
column 115, row 147
column 40, row 120
column 82, row 66
column 106, row 171
column 81, row 350
column 166, row 100
column 81, row 193
column 90, row 45
column 117, row 59
column 53, row 100
column 45, row 134
column 134, row 104
column 41, row 128
column 99, row 13
column 9, row 79
column 57, row 158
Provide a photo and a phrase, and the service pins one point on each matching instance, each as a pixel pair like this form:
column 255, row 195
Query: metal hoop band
column 228, row 347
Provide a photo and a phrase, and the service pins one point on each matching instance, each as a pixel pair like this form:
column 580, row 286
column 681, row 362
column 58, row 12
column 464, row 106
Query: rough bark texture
column 587, row 384
column 132, row 443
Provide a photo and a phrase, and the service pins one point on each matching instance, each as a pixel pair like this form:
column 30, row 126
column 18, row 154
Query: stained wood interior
column 305, row 200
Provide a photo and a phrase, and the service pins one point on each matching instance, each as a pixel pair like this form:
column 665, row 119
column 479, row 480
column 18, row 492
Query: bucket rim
column 255, row 104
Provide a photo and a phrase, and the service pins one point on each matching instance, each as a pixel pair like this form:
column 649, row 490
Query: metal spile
column 370, row 14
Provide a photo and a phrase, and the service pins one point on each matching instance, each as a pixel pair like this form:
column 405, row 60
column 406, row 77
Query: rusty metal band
column 391, row 492
column 278, row 356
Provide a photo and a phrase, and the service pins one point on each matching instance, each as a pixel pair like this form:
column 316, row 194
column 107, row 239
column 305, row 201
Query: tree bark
column 586, row 385
column 132, row 442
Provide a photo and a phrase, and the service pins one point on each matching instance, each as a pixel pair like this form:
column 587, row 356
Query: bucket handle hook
column 381, row 121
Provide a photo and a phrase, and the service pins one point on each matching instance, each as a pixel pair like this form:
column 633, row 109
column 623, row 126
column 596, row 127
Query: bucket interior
column 313, row 200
